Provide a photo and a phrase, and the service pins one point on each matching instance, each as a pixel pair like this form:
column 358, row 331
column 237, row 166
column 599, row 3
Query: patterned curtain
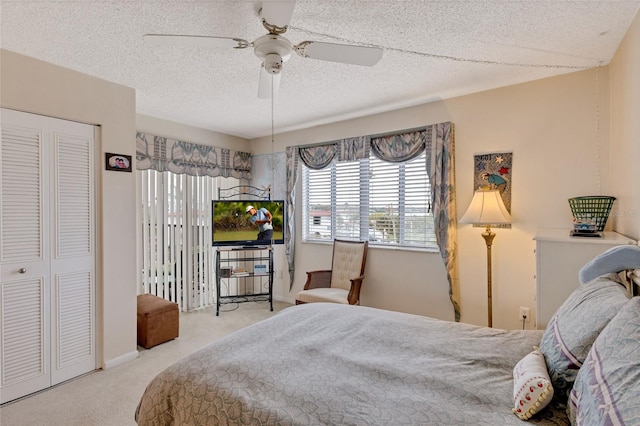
column 316, row 157
column 399, row 148
column 352, row 149
column 292, row 177
column 440, row 167
column 163, row 154
column 319, row 156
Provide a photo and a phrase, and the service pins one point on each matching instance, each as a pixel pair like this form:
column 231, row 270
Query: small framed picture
column 260, row 269
column 118, row 162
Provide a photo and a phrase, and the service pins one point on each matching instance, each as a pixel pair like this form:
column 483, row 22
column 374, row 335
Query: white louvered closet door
column 72, row 250
column 24, row 257
column 46, row 252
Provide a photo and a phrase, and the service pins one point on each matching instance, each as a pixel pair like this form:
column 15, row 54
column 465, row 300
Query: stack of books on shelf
column 240, row 272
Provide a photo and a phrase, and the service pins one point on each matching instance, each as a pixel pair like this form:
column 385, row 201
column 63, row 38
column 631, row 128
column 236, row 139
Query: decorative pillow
column 576, row 325
column 607, row 388
column 615, row 259
column 532, row 390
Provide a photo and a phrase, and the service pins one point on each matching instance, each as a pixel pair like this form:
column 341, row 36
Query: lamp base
column 488, row 236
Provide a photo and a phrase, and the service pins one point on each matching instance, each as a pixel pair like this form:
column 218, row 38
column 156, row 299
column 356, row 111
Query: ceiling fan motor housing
column 274, row 50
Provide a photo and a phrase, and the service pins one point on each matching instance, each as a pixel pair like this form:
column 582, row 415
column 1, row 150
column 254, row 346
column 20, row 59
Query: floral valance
column 399, row 147
column 320, row 156
column 394, row 148
column 164, row 154
column 352, row 149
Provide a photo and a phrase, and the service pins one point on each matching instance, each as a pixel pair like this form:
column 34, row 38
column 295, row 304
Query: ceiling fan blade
column 343, row 53
column 266, row 80
column 195, row 41
column 277, row 12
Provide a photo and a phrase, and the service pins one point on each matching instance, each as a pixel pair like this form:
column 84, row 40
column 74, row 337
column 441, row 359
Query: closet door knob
column 22, row 270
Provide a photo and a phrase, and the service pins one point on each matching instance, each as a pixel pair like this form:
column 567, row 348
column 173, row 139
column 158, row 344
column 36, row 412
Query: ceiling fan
column 274, row 49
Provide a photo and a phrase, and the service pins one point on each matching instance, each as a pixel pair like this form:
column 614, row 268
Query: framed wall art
column 118, row 162
column 494, row 171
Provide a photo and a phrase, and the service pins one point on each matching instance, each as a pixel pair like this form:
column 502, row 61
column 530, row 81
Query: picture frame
column 117, row 162
column 260, row 269
column 494, row 170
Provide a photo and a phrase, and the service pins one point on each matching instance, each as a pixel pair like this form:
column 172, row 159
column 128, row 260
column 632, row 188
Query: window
column 387, row 204
column 176, row 252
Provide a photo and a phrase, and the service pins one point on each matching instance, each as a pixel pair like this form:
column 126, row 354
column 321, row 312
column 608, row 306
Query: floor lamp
column 486, row 209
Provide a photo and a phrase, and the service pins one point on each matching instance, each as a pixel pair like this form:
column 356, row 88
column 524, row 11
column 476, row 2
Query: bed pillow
column 532, row 390
column 576, row 325
column 607, row 388
column 615, row 259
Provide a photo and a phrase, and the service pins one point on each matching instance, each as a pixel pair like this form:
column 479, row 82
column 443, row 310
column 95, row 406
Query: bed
column 335, row 364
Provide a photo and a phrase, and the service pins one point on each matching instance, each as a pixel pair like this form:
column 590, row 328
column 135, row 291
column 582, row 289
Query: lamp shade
column 486, row 208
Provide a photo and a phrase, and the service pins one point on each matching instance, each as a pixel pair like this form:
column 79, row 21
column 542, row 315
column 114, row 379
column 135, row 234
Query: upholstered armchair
column 342, row 283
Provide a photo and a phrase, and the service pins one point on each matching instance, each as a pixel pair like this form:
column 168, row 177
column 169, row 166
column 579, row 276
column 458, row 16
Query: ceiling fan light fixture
column 273, row 63
column 269, row 84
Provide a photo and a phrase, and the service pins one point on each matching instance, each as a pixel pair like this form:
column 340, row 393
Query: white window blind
column 370, row 199
column 177, row 255
column 348, row 200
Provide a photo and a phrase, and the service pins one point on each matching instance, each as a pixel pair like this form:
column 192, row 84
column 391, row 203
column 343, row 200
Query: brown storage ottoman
column 158, row 320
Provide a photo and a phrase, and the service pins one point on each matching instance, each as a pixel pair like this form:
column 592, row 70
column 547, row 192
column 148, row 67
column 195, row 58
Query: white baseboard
column 122, row 359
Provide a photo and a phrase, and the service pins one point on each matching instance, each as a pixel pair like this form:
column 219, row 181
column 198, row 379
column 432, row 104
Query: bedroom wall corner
column 559, row 151
column 625, row 131
column 549, row 125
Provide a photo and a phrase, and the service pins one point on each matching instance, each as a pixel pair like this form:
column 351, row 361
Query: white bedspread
column 333, row 364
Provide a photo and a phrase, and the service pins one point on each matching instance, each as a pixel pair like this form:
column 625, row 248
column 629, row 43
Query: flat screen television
column 232, row 224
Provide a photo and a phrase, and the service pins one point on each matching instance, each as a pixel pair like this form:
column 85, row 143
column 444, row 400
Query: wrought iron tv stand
column 252, row 285
column 248, row 286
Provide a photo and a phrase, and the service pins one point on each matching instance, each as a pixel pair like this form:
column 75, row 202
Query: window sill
column 373, row 246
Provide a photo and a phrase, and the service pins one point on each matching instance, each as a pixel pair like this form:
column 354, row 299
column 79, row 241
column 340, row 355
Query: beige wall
column 625, row 132
column 33, row 86
column 560, row 150
column 168, row 129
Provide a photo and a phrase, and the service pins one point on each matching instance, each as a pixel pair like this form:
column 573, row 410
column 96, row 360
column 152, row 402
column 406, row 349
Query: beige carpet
column 110, row 397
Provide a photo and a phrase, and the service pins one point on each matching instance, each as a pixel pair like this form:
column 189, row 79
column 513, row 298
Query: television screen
column 233, row 224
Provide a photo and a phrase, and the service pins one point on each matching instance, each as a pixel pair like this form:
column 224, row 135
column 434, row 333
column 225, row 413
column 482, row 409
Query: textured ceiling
column 432, row 50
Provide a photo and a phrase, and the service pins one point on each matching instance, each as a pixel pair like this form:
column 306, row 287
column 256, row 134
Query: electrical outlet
column 525, row 313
